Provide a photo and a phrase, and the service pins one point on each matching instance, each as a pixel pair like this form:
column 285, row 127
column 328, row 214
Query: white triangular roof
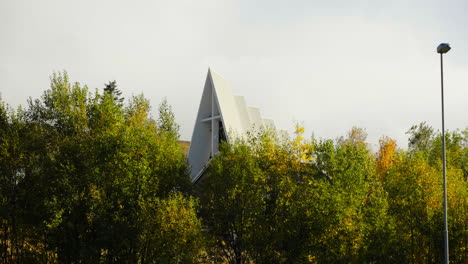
column 219, row 108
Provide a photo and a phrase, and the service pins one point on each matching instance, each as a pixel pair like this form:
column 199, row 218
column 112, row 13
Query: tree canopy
column 86, row 178
column 92, row 177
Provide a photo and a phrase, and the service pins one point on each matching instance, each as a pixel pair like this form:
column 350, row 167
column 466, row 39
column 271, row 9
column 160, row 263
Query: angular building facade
column 221, row 115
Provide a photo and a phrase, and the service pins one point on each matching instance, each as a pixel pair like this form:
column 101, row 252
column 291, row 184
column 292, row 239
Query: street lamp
column 444, row 48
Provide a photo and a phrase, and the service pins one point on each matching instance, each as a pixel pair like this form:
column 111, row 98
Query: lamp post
column 444, row 48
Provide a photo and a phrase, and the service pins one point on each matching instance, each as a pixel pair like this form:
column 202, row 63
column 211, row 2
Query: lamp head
column 443, row 48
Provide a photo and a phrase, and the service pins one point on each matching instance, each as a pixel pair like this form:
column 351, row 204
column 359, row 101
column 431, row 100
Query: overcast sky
column 330, row 65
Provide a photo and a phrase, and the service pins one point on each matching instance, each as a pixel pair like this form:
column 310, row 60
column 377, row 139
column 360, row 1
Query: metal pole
column 212, row 120
column 446, row 245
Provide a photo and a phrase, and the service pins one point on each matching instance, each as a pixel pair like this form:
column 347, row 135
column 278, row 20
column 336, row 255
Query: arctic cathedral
column 221, row 115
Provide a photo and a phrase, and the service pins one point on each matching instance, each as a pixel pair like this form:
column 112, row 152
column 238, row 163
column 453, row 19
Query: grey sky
column 329, row 64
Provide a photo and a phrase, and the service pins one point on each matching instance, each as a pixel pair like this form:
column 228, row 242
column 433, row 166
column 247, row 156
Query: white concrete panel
column 255, row 117
column 243, row 114
column 227, row 104
column 269, row 123
column 200, row 145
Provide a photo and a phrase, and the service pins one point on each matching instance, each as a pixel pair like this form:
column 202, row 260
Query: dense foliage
column 89, row 177
column 85, row 179
column 274, row 200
